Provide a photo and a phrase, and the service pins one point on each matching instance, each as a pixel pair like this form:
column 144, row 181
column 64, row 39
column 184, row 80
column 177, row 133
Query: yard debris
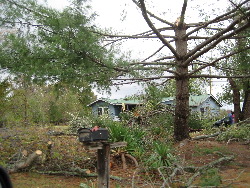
column 206, row 136
column 172, row 172
column 26, row 163
column 205, row 167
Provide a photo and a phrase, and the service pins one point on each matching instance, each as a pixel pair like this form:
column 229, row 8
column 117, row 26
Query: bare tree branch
column 215, row 61
column 154, row 16
column 154, row 53
column 150, row 24
column 219, row 18
column 218, row 76
column 214, row 40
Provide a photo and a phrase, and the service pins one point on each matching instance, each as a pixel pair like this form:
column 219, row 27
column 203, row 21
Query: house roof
column 117, row 101
column 195, row 100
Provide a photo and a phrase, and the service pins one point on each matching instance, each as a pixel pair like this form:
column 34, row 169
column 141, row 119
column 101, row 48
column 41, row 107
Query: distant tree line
column 25, row 104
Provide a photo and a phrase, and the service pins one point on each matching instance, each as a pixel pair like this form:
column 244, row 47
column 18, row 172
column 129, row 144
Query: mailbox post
column 97, row 139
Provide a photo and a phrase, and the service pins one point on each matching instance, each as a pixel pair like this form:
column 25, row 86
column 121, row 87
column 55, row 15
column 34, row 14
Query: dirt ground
column 234, row 173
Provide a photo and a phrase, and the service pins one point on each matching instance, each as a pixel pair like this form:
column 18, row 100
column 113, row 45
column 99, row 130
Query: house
column 112, row 107
column 205, row 104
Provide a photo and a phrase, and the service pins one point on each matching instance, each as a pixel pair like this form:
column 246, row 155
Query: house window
column 202, row 110
column 102, row 111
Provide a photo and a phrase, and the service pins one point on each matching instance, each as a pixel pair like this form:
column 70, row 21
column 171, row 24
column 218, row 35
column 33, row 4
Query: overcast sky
column 124, row 17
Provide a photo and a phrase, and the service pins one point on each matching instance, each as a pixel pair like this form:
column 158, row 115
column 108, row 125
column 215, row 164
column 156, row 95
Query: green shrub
column 134, row 136
column 161, row 156
column 79, row 122
column 195, row 121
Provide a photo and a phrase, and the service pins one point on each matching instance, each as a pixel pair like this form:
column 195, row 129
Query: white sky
column 124, row 17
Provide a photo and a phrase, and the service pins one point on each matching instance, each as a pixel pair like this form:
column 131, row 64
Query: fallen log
column 27, row 162
column 205, row 136
column 83, row 173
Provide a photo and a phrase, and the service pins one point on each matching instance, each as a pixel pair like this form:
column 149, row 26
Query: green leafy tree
column 4, row 99
column 29, row 104
column 237, row 90
column 54, row 45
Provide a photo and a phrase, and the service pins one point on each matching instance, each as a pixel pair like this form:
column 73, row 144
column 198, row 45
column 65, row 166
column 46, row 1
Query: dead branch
column 24, row 164
column 232, row 180
column 166, row 180
column 206, row 136
column 232, row 139
column 176, row 171
column 246, row 121
column 132, row 158
column 205, row 167
column 124, row 165
column 68, row 173
column 81, row 173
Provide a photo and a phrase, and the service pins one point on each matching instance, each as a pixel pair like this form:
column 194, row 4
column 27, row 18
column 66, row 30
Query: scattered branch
column 205, row 167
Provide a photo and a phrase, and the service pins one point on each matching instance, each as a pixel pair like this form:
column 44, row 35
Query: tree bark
column 181, row 129
column 246, row 104
column 236, row 99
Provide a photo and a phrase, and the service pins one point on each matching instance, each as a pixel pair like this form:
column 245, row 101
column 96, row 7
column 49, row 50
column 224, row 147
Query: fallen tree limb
column 24, row 164
column 246, row 121
column 205, row 167
column 132, row 158
column 205, row 136
column 81, row 174
column 68, row 173
column 124, row 165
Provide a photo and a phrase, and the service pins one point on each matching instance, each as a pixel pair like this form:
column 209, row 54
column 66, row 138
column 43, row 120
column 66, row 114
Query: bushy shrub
column 133, row 135
column 195, row 121
column 161, row 155
column 241, row 132
column 79, row 122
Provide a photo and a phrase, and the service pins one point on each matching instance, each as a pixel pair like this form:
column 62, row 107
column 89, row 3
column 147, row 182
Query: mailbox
column 93, row 135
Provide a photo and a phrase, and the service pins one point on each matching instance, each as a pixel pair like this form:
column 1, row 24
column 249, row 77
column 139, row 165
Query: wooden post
column 103, row 159
column 103, row 168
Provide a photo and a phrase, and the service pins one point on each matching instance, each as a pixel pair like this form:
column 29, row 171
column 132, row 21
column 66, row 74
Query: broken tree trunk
column 24, row 164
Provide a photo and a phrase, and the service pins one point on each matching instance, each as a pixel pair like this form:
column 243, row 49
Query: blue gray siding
column 114, row 110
